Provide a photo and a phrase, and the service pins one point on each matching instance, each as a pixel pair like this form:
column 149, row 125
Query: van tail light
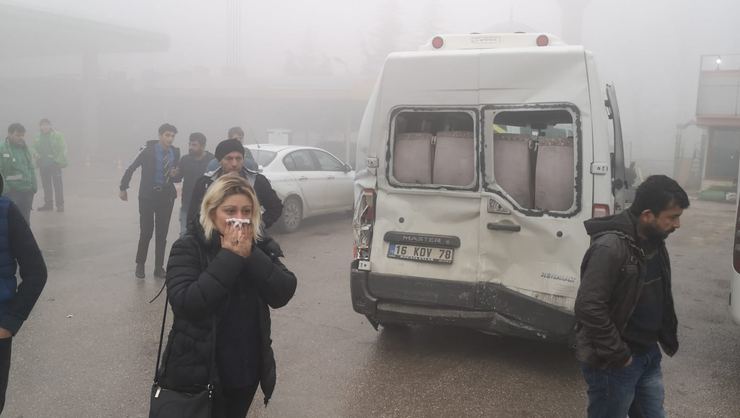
column 736, row 246
column 438, row 42
column 543, row 40
column 600, row 210
column 362, row 226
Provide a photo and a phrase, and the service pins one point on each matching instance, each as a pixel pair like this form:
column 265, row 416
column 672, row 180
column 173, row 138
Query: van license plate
column 417, row 253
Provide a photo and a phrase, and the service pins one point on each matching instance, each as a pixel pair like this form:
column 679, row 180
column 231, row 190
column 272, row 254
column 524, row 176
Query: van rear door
column 427, row 205
column 532, row 212
column 619, row 174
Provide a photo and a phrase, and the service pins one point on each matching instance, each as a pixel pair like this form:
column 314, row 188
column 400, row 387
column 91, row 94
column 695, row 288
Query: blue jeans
column 636, row 390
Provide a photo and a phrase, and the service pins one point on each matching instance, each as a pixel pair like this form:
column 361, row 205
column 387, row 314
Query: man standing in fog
column 158, row 160
column 191, row 168
column 624, row 308
column 18, row 249
column 16, row 166
column 51, row 158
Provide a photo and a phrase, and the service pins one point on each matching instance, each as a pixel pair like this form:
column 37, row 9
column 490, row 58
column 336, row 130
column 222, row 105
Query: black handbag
column 168, row 403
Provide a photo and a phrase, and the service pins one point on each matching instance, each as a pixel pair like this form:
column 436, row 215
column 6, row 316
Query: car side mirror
column 347, row 168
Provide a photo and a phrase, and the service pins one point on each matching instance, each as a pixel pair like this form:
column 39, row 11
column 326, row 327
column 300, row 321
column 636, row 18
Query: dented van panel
column 518, row 241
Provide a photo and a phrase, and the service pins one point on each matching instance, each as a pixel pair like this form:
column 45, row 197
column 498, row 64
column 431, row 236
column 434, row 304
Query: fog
column 207, row 66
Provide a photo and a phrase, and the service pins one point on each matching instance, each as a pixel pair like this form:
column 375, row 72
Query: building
column 718, row 114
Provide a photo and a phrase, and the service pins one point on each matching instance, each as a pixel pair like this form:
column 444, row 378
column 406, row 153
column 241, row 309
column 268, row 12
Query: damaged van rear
column 479, row 157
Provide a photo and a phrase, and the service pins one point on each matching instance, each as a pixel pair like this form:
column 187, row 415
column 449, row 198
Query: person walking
column 222, row 279
column 158, row 160
column 230, row 155
column 192, row 166
column 16, row 166
column 624, row 307
column 51, row 158
column 18, row 253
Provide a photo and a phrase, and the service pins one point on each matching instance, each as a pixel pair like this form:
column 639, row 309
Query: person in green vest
column 16, row 166
column 51, row 157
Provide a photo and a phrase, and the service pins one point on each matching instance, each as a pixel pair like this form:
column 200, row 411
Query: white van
column 480, row 156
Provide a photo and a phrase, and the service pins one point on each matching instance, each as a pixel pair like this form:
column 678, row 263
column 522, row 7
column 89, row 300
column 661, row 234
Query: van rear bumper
column 484, row 306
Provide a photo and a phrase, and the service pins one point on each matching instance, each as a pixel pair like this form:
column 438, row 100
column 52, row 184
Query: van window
column 434, row 148
column 533, row 156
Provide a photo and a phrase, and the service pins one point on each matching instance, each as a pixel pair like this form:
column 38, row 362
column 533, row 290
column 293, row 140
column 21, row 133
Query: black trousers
column 154, row 219
column 51, row 182
column 5, row 345
column 24, row 201
column 233, row 403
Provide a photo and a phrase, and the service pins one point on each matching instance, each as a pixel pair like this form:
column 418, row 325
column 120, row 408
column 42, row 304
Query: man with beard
column 624, row 308
column 158, row 160
column 191, row 168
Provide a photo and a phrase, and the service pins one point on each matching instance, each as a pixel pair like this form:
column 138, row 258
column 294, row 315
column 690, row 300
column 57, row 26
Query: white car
column 310, row 181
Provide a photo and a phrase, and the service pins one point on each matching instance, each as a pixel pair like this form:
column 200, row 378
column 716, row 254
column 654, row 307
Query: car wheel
column 292, row 214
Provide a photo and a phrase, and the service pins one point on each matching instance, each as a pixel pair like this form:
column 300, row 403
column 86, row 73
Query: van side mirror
column 347, row 168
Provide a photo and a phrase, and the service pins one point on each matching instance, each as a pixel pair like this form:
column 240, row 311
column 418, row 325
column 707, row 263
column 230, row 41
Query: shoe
column 45, row 208
column 160, row 273
column 60, row 209
column 140, row 271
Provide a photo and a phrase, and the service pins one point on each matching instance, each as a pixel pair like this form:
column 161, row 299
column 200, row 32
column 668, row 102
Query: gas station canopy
column 26, row 32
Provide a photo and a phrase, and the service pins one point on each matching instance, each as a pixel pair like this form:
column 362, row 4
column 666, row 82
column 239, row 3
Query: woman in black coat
column 223, row 274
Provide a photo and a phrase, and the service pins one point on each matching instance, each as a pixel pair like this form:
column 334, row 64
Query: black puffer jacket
column 612, row 276
column 201, row 277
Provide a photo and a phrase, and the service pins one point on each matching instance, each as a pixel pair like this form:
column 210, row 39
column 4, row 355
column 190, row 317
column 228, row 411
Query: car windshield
column 263, row 157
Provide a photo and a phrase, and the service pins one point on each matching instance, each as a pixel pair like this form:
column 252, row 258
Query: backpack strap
column 629, row 240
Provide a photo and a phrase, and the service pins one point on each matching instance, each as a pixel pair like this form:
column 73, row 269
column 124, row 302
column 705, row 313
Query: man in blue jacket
column 158, row 160
column 18, row 250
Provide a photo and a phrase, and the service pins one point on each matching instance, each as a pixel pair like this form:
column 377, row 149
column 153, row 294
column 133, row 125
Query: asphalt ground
column 89, row 347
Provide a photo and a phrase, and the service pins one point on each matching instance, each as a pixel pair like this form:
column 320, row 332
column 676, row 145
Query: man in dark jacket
column 624, row 307
column 191, row 168
column 230, row 155
column 158, row 161
column 18, row 249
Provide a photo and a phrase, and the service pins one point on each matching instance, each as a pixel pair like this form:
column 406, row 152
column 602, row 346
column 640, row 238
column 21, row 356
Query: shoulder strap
column 624, row 237
column 161, row 339
column 211, row 366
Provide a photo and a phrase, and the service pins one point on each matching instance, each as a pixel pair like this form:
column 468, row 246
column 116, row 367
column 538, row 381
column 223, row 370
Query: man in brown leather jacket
column 624, row 308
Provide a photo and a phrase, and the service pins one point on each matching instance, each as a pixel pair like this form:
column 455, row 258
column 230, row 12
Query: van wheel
column 292, row 215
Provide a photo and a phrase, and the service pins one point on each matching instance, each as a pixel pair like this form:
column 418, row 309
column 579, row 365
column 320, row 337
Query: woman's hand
column 238, row 239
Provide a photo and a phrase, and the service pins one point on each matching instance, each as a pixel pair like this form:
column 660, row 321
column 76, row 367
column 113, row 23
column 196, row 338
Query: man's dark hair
column 657, row 193
column 236, row 131
column 16, row 127
column 198, row 137
column 167, row 128
column 44, row 121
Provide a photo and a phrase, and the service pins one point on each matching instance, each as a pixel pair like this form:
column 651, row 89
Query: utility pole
column 234, row 18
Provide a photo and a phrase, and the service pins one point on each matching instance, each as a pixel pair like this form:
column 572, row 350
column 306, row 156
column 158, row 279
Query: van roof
column 448, row 42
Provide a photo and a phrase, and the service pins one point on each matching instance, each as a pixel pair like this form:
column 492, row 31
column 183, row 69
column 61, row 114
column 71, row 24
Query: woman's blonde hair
column 228, row 185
